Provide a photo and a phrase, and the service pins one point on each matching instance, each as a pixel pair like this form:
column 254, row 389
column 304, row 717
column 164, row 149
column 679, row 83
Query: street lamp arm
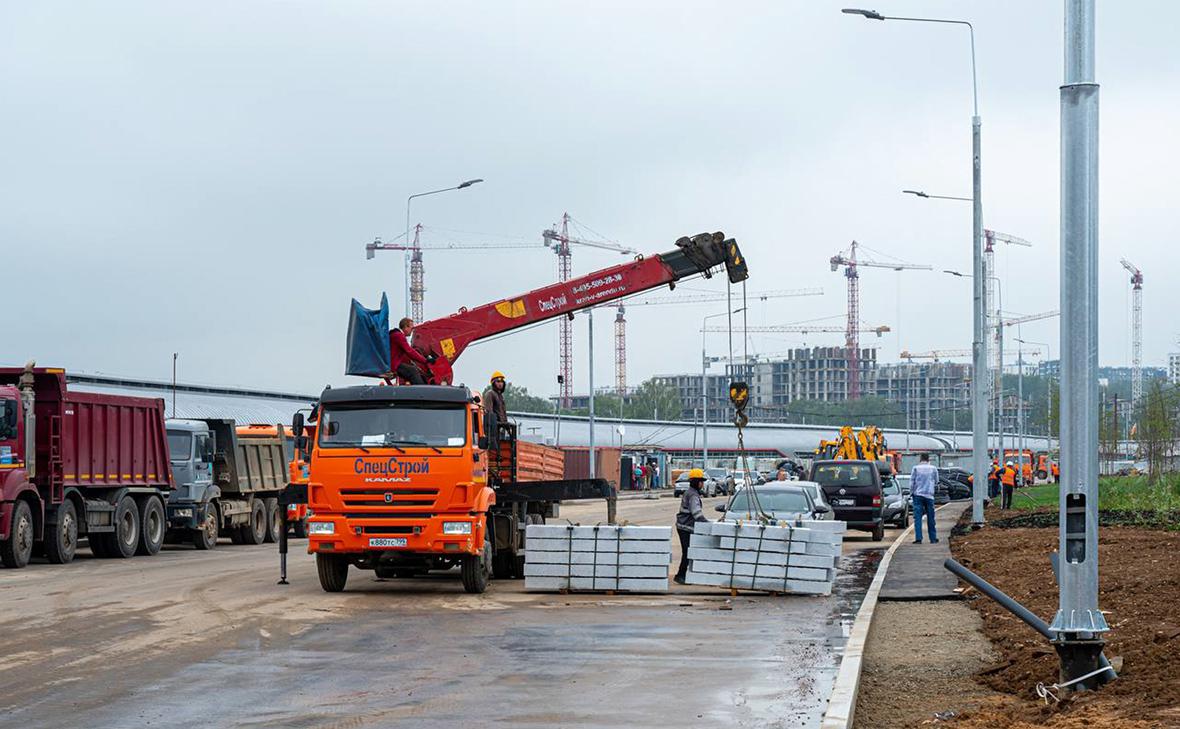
column 874, row 15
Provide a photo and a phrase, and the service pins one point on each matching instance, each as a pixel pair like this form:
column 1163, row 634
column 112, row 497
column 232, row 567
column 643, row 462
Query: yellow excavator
column 867, row 444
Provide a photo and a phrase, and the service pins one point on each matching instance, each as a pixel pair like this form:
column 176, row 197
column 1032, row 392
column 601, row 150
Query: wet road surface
column 208, row 638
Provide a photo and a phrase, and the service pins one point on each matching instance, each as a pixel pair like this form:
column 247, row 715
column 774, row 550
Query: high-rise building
column 1174, row 368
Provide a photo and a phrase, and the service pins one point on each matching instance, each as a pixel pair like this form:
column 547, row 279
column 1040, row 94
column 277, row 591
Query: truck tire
column 254, row 532
column 16, row 551
column 125, row 539
column 476, row 569
column 879, row 532
column 206, row 537
column 274, row 520
column 152, row 526
column 61, row 535
column 333, row 571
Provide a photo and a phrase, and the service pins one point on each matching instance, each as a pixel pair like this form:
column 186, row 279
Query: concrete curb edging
column 842, row 701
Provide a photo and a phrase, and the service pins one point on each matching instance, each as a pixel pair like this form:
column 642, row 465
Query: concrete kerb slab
column 842, row 701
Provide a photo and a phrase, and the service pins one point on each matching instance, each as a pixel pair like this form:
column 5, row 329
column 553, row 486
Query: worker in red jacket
column 406, row 361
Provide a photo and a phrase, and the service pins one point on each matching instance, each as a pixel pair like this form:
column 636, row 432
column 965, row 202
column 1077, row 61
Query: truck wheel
column 61, row 536
column 299, row 528
column 255, row 530
column 152, row 526
column 477, row 568
column 18, row 548
column 126, row 536
column 333, row 571
column 274, row 520
column 879, row 532
column 206, row 537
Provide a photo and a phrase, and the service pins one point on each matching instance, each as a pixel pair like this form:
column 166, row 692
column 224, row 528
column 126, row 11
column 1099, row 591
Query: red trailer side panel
column 113, row 440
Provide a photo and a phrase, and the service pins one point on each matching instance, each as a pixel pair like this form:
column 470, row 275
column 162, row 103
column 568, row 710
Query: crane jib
column 446, row 338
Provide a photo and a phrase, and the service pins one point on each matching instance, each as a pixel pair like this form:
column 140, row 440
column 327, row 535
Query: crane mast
column 559, row 240
column 852, row 331
column 1136, row 332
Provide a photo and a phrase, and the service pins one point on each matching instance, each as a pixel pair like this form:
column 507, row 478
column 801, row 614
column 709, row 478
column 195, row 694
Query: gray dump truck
column 226, row 485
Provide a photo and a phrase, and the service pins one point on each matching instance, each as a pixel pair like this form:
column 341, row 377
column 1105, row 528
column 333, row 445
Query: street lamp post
column 406, row 256
column 979, row 354
column 705, row 387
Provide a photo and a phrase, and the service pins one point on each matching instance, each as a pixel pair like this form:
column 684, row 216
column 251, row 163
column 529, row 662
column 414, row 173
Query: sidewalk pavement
column 916, row 572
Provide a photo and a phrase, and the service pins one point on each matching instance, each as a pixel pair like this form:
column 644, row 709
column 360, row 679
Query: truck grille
column 387, row 515
column 387, row 530
column 396, row 497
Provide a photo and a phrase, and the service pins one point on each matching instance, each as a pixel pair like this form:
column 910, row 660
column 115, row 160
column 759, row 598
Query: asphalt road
column 208, row 638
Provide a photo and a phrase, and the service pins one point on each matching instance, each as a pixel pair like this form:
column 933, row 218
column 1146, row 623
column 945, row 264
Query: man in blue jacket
column 923, row 479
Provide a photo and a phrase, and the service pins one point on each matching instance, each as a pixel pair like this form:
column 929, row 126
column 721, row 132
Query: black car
column 853, row 488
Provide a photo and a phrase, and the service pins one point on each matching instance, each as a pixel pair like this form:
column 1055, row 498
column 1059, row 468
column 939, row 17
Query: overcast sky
column 202, row 177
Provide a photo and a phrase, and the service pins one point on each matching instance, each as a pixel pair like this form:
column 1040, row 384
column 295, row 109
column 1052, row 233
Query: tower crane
column 417, row 271
column 852, row 332
column 1136, row 331
column 559, row 240
column 940, row 354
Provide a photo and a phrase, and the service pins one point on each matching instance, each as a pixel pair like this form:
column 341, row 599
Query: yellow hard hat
column 497, row 375
column 696, row 473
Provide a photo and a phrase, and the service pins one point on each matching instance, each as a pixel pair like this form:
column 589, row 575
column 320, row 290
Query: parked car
column 815, row 490
column 896, row 510
column 950, row 489
column 779, row 502
column 681, row 485
column 741, row 478
column 903, row 481
column 726, row 483
column 853, row 488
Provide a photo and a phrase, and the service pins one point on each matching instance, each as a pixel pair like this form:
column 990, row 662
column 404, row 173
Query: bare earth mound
column 1139, row 576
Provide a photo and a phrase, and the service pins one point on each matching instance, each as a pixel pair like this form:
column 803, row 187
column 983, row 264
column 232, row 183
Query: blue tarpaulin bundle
column 368, row 340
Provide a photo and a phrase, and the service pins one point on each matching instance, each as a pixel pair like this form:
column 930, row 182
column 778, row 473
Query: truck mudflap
column 579, row 488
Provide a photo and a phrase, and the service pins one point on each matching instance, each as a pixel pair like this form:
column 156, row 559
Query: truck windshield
column 393, row 424
column 180, row 445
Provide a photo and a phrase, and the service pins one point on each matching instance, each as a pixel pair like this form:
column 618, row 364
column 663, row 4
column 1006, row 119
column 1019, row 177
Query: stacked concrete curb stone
column 601, row 558
column 796, row 557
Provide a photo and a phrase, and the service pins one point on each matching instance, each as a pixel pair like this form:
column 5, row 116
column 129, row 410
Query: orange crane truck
column 412, row 478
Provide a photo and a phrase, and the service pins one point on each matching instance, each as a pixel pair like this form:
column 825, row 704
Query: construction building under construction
column 922, row 390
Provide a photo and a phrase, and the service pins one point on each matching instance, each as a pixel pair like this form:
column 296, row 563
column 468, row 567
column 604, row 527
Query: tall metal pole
column 704, row 404
column 1020, row 410
column 590, row 380
column 979, row 310
column 1000, row 388
column 1079, row 623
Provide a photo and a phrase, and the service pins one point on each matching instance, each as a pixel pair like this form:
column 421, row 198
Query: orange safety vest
column 1008, row 476
column 1056, row 470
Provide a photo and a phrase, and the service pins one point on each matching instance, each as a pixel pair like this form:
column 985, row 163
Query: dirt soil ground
column 1140, row 592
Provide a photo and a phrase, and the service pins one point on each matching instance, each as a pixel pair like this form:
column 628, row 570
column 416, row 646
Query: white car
column 775, row 500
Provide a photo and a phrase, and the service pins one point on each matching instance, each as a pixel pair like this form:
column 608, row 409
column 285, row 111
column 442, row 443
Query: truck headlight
column 456, row 527
column 321, row 527
column 183, row 512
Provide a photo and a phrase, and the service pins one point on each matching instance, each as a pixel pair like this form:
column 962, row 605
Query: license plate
column 845, row 502
column 387, row 541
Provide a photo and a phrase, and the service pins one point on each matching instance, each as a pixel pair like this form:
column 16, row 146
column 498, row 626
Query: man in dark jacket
column 406, row 361
column 691, row 513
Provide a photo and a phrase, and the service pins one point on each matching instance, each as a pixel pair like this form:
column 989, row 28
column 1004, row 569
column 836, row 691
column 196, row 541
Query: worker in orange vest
column 1056, row 472
column 993, row 480
column 1008, row 479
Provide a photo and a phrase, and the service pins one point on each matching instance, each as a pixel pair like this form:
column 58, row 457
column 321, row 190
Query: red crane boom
column 446, row 338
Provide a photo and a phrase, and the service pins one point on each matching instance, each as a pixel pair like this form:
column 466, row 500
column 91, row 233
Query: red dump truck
column 78, row 464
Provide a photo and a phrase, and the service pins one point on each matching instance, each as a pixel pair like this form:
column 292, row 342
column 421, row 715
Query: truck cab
column 399, row 484
column 191, row 448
